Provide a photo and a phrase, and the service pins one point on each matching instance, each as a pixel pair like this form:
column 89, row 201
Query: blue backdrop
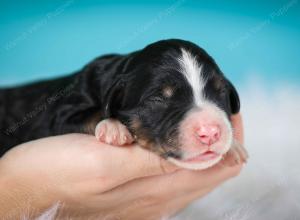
column 254, row 39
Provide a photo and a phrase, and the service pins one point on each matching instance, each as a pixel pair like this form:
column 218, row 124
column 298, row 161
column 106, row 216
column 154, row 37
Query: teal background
column 248, row 39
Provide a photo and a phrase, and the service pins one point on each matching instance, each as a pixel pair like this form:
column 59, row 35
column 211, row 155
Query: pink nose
column 208, row 134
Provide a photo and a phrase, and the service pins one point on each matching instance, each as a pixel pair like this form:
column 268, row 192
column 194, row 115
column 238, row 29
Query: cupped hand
column 98, row 181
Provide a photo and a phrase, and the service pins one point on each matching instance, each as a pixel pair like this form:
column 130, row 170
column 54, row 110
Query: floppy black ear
column 113, row 98
column 233, row 98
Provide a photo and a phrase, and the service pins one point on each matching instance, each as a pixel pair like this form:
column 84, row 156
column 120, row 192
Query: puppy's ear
column 113, row 98
column 233, row 98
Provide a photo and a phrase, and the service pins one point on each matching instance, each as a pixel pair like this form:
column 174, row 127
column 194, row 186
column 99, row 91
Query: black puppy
column 170, row 97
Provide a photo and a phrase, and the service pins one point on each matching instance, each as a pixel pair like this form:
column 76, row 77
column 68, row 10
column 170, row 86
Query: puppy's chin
column 196, row 165
column 202, row 160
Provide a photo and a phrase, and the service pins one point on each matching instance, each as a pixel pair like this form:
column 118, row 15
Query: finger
column 178, row 184
column 137, row 162
column 195, row 180
column 117, row 165
column 133, row 160
column 237, row 124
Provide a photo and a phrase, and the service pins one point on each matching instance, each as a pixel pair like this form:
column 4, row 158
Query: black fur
column 124, row 87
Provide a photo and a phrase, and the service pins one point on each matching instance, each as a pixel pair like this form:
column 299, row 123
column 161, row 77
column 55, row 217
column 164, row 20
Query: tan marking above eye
column 218, row 83
column 167, row 91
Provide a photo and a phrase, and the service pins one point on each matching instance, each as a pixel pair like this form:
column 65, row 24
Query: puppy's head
column 176, row 102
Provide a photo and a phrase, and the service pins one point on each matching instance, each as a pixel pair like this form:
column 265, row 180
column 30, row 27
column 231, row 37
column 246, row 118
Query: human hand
column 95, row 180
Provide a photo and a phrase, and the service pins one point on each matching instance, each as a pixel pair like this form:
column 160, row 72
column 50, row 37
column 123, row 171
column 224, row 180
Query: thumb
column 125, row 164
column 117, row 165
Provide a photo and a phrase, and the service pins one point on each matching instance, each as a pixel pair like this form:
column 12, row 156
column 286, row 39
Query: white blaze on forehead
column 192, row 71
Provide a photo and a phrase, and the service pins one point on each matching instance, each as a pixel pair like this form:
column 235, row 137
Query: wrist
column 20, row 198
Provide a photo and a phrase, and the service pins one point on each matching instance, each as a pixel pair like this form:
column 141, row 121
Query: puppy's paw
column 236, row 155
column 113, row 132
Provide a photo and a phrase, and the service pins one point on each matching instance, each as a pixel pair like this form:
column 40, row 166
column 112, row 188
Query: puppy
column 170, row 97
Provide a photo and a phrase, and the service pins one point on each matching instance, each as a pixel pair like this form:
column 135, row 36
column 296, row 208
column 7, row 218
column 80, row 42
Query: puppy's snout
column 208, row 134
column 206, row 129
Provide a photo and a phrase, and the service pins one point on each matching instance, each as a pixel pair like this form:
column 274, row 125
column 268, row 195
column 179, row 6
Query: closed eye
column 156, row 99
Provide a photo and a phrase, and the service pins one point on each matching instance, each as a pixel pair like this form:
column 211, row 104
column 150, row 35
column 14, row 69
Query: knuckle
column 166, row 167
column 235, row 171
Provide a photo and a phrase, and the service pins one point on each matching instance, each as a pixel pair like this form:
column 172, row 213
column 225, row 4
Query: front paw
column 236, row 155
column 113, row 132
